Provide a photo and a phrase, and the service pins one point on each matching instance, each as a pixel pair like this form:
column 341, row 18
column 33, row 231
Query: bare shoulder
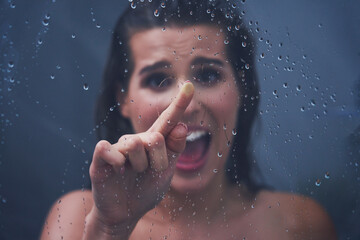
column 66, row 218
column 302, row 216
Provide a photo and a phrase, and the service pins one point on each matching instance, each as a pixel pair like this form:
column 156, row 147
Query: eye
column 157, row 81
column 208, row 76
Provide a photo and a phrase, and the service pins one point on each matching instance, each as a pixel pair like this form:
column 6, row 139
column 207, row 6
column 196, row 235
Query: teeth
column 195, row 135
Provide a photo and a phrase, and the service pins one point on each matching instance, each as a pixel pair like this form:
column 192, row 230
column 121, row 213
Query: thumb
column 176, row 140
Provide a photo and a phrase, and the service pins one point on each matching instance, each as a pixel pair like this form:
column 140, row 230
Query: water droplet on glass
column 317, row 182
column 280, row 58
column 156, row 13
column 98, row 25
column 219, row 154
column 215, row 170
column 45, row 22
column 247, row 66
column 298, row 88
column 133, row 5
column 40, row 41
column 12, row 80
column 302, row 109
column 224, row 127
column 275, row 92
column 12, row 5
column 262, row 55
column 234, row 132
column 312, row 102
column 327, row 175
column 73, row 36
column 86, row 87
column 226, row 41
column 243, row 44
column 199, row 37
column 285, row 85
column 11, row 64
column 163, row 5
column 52, row 76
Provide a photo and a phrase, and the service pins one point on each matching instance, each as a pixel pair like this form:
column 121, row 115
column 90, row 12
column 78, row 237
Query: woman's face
column 163, row 61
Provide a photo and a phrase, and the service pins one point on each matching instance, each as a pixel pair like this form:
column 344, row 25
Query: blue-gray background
column 309, row 107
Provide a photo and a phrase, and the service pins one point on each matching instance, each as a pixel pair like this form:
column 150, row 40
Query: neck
column 203, row 206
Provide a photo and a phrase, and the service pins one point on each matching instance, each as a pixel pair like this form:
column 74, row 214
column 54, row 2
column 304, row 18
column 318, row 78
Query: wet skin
column 164, row 60
column 129, row 177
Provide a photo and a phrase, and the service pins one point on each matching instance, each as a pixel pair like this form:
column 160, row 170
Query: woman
column 179, row 163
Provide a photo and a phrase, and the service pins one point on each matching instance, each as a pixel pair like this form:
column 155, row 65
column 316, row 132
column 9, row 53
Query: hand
column 131, row 176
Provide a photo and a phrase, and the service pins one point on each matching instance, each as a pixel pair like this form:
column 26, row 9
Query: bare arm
column 128, row 178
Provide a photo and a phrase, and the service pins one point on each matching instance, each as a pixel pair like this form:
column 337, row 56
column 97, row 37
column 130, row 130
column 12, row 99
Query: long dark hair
column 146, row 14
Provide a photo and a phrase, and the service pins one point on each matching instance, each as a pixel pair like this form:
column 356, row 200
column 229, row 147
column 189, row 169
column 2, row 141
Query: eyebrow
column 205, row 60
column 155, row 66
column 196, row 61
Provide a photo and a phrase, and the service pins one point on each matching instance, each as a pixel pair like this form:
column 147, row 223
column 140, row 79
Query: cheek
column 146, row 110
column 224, row 104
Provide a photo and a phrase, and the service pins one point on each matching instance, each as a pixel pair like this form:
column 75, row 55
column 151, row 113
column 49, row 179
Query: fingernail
column 188, row 88
column 184, row 125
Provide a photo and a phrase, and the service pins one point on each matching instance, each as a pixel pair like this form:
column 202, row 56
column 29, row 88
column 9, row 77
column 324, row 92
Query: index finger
column 172, row 114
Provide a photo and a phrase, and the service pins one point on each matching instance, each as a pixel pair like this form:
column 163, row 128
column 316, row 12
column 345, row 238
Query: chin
column 195, row 183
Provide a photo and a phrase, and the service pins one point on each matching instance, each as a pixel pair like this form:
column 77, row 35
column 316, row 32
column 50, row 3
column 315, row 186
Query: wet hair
column 239, row 46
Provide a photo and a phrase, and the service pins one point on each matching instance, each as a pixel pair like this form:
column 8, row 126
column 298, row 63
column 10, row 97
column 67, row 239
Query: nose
column 194, row 108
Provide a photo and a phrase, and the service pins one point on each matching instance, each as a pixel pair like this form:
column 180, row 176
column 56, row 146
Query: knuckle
column 134, row 143
column 124, row 138
column 102, row 146
column 157, row 139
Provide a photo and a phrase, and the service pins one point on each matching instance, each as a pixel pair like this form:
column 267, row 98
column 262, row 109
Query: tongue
column 193, row 151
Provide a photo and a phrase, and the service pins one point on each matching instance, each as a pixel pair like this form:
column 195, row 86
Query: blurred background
column 52, row 55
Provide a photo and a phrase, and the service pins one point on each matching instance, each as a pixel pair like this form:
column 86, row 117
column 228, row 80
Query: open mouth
column 195, row 154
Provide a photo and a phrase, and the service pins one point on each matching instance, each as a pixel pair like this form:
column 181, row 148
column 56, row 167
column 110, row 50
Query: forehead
column 176, row 44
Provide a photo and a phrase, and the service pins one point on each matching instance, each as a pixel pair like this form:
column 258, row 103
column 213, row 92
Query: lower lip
column 192, row 166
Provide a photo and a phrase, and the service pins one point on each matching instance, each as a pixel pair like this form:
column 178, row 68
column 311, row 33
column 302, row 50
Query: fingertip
column 188, row 88
column 176, row 140
column 180, row 131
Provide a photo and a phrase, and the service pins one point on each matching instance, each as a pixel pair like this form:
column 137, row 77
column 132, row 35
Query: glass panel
column 53, row 56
